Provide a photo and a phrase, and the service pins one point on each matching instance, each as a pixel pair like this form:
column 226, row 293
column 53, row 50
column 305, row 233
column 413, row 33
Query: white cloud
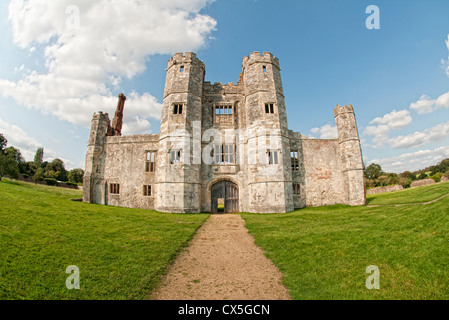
column 382, row 126
column 419, row 139
column 326, row 132
column 113, row 42
column 394, row 120
column 426, row 105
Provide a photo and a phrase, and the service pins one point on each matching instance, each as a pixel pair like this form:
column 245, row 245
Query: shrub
column 25, row 176
column 405, row 182
column 51, row 182
column 437, row 177
column 71, row 184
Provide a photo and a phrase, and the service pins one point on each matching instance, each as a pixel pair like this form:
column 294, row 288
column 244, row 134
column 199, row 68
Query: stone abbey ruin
column 223, row 145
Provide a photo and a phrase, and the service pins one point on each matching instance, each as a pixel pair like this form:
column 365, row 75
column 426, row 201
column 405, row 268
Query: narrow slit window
column 264, row 68
column 147, row 191
column 296, row 189
column 181, row 69
column 273, row 157
column 295, row 160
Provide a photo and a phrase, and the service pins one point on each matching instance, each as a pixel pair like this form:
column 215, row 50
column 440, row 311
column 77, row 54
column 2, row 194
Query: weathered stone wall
column 325, row 183
column 420, row 183
column 125, row 159
column 384, row 189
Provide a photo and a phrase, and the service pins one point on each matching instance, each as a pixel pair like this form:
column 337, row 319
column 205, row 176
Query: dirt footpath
column 222, row 262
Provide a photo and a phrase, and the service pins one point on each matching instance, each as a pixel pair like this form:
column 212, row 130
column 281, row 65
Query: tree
column 76, row 175
column 9, row 160
column 3, row 143
column 8, row 167
column 373, row 171
column 57, row 170
column 39, row 156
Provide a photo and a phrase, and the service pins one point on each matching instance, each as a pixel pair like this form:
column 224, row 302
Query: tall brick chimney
column 117, row 122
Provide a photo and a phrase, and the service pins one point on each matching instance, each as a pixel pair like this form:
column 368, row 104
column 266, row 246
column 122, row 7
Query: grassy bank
column 415, row 195
column 120, row 252
column 324, row 252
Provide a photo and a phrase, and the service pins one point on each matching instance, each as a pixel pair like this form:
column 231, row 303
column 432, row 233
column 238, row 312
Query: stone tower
column 351, row 154
column 94, row 185
column 178, row 175
column 270, row 183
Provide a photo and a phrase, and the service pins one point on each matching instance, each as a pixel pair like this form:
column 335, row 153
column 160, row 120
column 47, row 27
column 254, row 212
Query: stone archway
column 229, row 192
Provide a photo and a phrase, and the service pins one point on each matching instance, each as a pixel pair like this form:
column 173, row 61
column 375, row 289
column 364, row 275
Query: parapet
column 100, row 116
column 256, row 56
column 345, row 109
column 188, row 57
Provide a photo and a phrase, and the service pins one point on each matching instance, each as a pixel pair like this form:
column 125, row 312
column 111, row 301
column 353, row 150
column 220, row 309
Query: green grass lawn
column 414, row 195
column 121, row 252
column 323, row 252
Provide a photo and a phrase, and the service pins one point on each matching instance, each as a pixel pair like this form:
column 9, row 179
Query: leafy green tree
column 39, row 156
column 8, row 167
column 76, row 175
column 3, row 143
column 373, row 171
column 39, row 175
column 56, row 166
column 9, row 160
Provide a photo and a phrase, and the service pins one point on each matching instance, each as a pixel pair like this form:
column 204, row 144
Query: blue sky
column 55, row 73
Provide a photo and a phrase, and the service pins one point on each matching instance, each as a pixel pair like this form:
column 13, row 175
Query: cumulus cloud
column 419, row 139
column 426, row 105
column 326, row 132
column 381, row 126
column 91, row 47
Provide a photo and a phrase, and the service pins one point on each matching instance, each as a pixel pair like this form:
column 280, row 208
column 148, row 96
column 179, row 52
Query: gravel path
column 222, row 262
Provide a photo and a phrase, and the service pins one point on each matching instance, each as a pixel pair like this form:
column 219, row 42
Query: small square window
column 269, row 108
column 177, row 108
column 114, row 188
column 175, row 156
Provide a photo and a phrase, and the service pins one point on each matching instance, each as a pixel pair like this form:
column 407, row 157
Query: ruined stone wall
column 125, row 159
column 325, row 182
column 384, row 189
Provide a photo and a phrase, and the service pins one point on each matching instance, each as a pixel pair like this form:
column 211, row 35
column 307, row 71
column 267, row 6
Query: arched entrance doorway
column 225, row 197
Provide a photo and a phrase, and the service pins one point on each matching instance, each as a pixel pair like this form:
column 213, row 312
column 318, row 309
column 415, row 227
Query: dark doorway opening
column 225, row 197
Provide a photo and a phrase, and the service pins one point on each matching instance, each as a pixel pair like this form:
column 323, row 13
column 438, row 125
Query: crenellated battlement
column 187, row 57
column 345, row 109
column 100, row 116
column 257, row 57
